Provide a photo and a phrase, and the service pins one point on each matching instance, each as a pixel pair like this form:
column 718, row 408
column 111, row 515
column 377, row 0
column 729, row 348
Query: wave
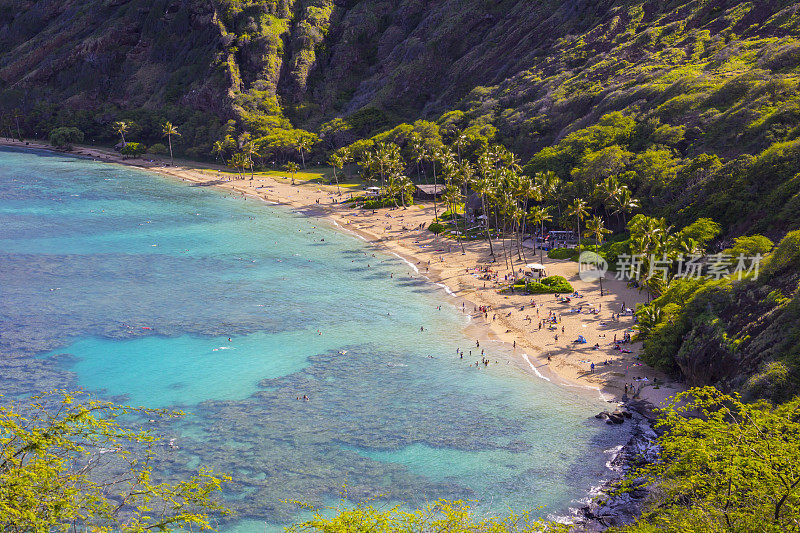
column 535, row 370
column 406, row 261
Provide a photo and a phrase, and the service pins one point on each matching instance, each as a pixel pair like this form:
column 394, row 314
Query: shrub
column 65, row 136
column 133, row 149
column 550, row 285
column 437, row 227
column 563, row 253
column 785, row 255
column 158, row 148
column 377, row 203
column 450, row 216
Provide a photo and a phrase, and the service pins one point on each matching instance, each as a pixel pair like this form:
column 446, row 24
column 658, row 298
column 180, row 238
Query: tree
column 121, row 127
column 441, row 516
column 250, row 151
column 304, row 144
column 292, row 167
column 168, row 130
column 239, row 162
column 484, row 187
column 218, row 149
column 133, row 149
column 433, row 157
column 417, row 147
column 624, row 203
column 68, row 464
column 336, row 161
column 578, row 210
column 65, row 136
column 725, row 465
column 596, row 227
column 539, row 215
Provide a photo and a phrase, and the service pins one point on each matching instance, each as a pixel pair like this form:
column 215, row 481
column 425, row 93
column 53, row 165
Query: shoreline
column 441, row 261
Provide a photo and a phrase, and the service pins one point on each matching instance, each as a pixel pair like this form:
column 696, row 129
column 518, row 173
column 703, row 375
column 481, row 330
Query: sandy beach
column 549, row 353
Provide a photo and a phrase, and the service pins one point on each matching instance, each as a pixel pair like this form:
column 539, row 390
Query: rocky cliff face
column 126, row 53
column 535, row 70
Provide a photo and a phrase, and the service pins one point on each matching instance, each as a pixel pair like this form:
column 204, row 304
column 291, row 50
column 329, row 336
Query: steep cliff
column 534, row 70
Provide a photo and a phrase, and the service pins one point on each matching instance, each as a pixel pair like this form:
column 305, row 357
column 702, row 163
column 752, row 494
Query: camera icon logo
column 591, row 266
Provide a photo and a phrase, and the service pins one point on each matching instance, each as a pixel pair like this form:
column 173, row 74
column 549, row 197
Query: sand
column 512, row 319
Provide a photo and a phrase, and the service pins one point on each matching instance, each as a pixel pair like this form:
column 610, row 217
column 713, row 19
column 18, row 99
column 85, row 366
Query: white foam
column 614, row 453
column 603, row 397
column 535, row 370
column 406, row 261
column 446, row 288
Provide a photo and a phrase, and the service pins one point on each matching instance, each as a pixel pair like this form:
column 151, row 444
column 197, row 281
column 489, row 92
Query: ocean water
column 152, row 292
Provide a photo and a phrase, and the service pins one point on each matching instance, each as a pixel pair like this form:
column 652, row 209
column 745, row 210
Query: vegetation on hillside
column 725, row 466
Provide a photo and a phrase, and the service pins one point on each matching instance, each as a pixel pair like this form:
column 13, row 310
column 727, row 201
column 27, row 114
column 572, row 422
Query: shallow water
column 131, row 285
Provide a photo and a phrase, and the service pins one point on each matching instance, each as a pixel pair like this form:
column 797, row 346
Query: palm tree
column 383, row 159
column 292, row 167
column 303, row 145
column 596, row 227
column 249, row 149
column 466, row 175
column 506, row 204
column 433, row 157
column 528, row 191
column 578, row 210
column 417, row 148
column 606, row 191
column 624, row 202
column 549, row 185
column 484, row 186
column 459, row 143
column 121, row 126
column 336, row 161
column 239, row 162
column 218, row 149
column 516, row 214
column 539, row 215
column 168, row 130
column 406, row 188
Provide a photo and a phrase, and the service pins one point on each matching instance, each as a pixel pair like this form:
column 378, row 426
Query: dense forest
column 660, row 128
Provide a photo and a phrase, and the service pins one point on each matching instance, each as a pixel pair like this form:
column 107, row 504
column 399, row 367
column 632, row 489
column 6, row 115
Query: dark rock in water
column 602, row 415
column 616, row 417
column 614, row 510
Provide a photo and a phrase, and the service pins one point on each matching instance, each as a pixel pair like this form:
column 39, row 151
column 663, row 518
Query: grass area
column 309, row 176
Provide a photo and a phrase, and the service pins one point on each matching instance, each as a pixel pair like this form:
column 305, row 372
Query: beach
column 549, row 353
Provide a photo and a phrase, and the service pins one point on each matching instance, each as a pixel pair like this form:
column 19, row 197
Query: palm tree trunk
column 541, row 251
column 169, row 140
column 511, row 249
column 435, row 187
column 488, row 234
column 503, row 242
column 338, row 190
column 466, row 200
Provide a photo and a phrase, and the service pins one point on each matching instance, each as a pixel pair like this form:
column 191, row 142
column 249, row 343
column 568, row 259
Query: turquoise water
column 157, row 293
